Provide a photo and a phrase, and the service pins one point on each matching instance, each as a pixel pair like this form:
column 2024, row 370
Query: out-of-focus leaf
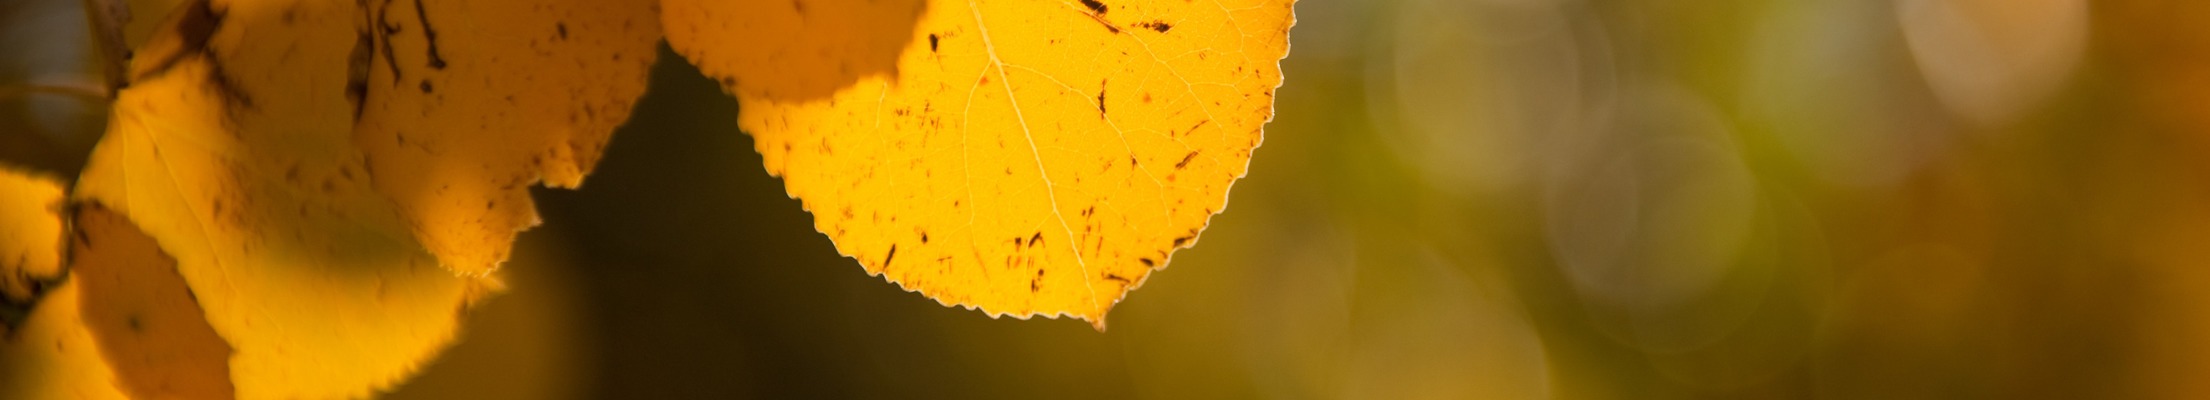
column 1026, row 157
column 143, row 18
column 791, row 51
column 30, row 233
column 233, row 150
column 150, row 327
column 53, row 355
column 468, row 103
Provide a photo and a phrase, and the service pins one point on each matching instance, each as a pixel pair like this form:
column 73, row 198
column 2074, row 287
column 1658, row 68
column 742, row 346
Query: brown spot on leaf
column 1185, row 160
column 429, row 35
column 1101, row 101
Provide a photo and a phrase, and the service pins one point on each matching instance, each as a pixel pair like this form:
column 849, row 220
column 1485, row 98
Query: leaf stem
column 106, row 17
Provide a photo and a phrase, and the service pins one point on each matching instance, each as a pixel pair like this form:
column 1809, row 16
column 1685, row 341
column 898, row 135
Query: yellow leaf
column 1028, row 157
column 791, row 50
column 149, row 326
column 30, row 233
column 471, row 102
column 233, row 151
column 53, row 356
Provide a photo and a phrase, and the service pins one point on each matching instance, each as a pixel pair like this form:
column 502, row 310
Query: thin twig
column 86, row 91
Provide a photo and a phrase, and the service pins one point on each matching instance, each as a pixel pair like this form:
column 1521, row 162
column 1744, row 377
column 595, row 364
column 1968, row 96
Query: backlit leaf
column 471, row 102
column 53, row 355
column 30, row 232
column 233, row 151
column 794, row 50
column 150, row 327
column 1027, row 157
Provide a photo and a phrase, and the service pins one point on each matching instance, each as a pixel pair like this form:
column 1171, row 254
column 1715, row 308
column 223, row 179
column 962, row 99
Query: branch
column 80, row 89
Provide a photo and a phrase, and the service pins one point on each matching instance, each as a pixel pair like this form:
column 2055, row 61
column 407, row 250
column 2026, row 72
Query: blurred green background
column 1569, row 199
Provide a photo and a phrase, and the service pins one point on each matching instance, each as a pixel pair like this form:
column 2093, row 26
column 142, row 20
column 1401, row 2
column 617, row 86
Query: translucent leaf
column 471, row 102
column 30, row 233
column 795, row 50
column 232, row 150
column 53, row 355
column 1026, row 157
column 148, row 324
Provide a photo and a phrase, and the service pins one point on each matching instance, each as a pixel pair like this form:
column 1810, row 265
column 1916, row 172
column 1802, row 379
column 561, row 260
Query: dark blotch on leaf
column 1094, row 6
column 429, row 35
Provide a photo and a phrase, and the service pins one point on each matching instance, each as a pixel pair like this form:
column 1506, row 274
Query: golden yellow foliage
column 30, row 232
column 791, row 51
column 232, row 152
column 1028, row 157
column 470, row 103
column 281, row 181
column 150, row 328
column 297, row 157
column 54, row 356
